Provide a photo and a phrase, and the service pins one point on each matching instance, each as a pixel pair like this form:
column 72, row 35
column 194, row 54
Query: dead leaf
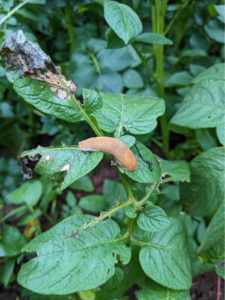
column 20, row 54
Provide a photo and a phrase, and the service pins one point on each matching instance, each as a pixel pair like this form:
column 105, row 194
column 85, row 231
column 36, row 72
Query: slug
column 122, row 154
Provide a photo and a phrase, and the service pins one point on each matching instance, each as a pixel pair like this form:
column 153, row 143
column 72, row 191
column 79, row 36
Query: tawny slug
column 122, row 154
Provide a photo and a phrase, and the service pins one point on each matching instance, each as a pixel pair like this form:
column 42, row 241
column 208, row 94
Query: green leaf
column 112, row 190
column 153, row 38
column 153, row 219
column 194, row 53
column 39, row 94
column 196, row 70
column 33, row 193
column 8, row 270
column 12, row 137
column 128, row 140
column 174, row 170
column 220, row 131
column 113, row 41
column 178, row 79
column 64, row 158
column 215, row 30
column 93, row 102
column 83, row 184
column 71, row 199
column 94, row 203
column 119, row 112
column 90, row 258
column 6, row 110
column 156, row 292
column 203, row 106
column 212, row 243
column 18, row 196
column 122, row 19
column 200, row 230
column 221, row 272
column 115, row 280
column 132, row 79
column 143, row 174
column 12, row 242
column 220, row 9
column 167, row 249
column 205, row 139
column 216, row 72
column 86, row 75
column 205, row 192
column 29, row 217
column 130, row 211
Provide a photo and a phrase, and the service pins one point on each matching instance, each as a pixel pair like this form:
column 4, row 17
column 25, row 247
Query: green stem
column 102, row 216
column 145, row 64
column 126, row 185
column 70, row 29
column 9, row 14
column 77, row 105
column 175, row 17
column 159, row 17
column 146, row 197
column 157, row 142
column 130, row 229
column 48, row 218
column 96, row 63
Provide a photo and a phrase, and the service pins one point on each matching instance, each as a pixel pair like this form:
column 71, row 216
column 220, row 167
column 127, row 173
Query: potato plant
column 147, row 73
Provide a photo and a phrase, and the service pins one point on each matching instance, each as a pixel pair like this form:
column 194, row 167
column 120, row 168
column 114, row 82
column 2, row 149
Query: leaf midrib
column 80, row 248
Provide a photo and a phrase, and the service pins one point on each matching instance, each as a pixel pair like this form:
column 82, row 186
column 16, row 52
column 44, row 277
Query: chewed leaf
column 61, row 159
column 64, row 266
column 174, row 170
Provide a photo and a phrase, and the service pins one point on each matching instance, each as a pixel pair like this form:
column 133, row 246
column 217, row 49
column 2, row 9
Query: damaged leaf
column 204, row 194
column 64, row 266
column 60, row 159
column 174, row 170
column 38, row 80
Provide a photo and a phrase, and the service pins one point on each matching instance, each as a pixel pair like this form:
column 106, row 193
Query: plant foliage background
column 150, row 73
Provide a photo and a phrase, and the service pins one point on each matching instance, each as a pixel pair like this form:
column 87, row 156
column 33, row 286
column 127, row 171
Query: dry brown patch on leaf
column 61, row 94
column 65, row 168
column 20, row 54
column 53, row 89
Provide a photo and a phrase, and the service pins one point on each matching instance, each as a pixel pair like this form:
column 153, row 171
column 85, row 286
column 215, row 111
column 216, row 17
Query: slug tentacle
column 122, row 154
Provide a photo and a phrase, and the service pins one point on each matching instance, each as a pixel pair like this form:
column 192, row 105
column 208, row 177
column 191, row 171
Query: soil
column 204, row 286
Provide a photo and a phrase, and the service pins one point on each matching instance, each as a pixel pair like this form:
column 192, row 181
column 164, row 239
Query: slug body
column 122, row 154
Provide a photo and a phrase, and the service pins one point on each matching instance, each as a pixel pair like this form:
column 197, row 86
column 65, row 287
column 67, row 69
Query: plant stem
column 159, row 17
column 102, row 216
column 146, row 197
column 145, row 64
column 96, row 63
column 14, row 10
column 130, row 229
column 70, row 29
column 175, row 17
